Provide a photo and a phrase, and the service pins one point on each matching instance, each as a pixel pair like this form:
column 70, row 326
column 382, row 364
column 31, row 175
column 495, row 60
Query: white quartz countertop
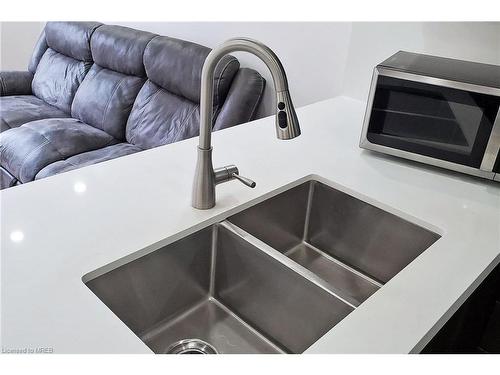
column 56, row 230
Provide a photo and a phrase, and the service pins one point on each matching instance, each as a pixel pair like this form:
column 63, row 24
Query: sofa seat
column 88, row 158
column 26, row 150
column 18, row 110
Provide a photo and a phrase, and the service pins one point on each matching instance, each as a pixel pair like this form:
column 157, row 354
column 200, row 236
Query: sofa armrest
column 242, row 100
column 15, row 83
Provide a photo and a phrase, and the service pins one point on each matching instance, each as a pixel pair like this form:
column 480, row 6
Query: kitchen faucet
column 287, row 124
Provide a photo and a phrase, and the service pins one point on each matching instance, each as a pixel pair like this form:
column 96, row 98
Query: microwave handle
column 493, row 146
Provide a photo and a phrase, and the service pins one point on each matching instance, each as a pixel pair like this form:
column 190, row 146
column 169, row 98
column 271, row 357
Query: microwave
column 436, row 110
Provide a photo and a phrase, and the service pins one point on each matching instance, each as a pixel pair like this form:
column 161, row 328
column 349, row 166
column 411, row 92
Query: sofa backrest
column 167, row 107
column 107, row 93
column 137, row 86
column 60, row 61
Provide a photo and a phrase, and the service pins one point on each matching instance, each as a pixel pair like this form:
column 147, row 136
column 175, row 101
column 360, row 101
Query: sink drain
column 191, row 346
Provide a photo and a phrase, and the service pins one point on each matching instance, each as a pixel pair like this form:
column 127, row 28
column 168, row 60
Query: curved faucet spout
column 287, row 124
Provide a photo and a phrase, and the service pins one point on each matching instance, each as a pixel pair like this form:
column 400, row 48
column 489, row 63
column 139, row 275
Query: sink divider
column 308, row 211
column 211, row 292
column 305, row 235
column 213, row 260
column 283, row 259
column 341, row 264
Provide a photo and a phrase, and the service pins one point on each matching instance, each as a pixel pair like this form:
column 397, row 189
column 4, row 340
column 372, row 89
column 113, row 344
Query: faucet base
column 203, row 195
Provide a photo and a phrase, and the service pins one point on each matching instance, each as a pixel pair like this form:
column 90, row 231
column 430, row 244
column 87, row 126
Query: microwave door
column 435, row 121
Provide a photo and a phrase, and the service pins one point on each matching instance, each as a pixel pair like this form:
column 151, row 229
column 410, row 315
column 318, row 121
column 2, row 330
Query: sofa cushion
column 57, row 78
column 160, row 117
column 88, row 158
column 105, row 98
column 18, row 110
column 64, row 63
column 24, row 151
column 71, row 38
column 176, row 66
column 120, row 49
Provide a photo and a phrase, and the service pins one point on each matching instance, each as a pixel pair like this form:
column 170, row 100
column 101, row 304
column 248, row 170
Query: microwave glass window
column 435, row 121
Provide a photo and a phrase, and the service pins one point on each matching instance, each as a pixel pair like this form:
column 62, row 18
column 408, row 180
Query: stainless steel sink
column 273, row 278
column 220, row 288
column 354, row 246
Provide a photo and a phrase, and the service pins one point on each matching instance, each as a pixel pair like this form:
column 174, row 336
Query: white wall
column 313, row 54
column 17, row 40
column 321, row 59
column 373, row 42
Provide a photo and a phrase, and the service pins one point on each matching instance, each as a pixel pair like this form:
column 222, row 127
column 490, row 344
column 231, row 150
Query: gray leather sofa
column 95, row 92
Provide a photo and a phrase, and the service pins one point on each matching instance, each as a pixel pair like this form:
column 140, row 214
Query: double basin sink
column 273, row 278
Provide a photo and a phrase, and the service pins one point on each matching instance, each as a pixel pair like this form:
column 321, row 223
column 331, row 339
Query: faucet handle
column 231, row 172
column 244, row 180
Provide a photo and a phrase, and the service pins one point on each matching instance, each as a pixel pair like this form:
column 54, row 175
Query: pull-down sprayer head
column 287, row 123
